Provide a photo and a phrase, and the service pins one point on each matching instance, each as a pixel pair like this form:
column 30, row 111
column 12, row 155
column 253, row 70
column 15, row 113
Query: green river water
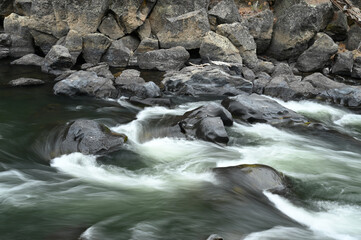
column 164, row 188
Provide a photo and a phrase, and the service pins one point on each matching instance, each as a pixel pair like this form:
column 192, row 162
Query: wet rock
column 337, row 29
column 343, row 63
column 86, row 83
column 255, row 108
column 149, row 102
column 353, row 38
column 240, row 37
column 224, row 12
column 90, row 137
column 164, row 59
column 57, row 60
column 210, row 80
column 219, row 48
column 260, row 27
column 117, row 54
column 318, row 55
column 254, row 178
column 30, row 59
column 26, row 82
column 111, row 28
column 185, row 30
column 94, row 46
column 5, row 43
column 211, row 129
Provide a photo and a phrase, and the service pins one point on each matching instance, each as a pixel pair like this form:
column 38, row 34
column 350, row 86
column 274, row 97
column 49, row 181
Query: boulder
column 282, row 69
column 86, row 83
column 94, row 46
column 164, row 59
column 150, row 102
column 129, row 76
column 343, row 63
column 111, row 28
column 254, row 178
column 74, row 43
column 90, row 137
column 44, row 41
column 6, row 7
column 294, row 29
column 145, row 31
column 353, row 38
column 57, row 60
column 186, row 30
column 5, row 43
column 264, row 66
column 260, row 27
column 240, row 37
column 147, row 45
column 337, row 29
column 117, row 54
column 248, row 74
column 212, row 129
column 131, row 42
column 26, row 82
column 30, row 59
column 356, row 70
column 318, row 55
column 255, row 108
column 210, row 80
column 219, row 48
column 225, row 11
column 102, row 70
column 22, row 7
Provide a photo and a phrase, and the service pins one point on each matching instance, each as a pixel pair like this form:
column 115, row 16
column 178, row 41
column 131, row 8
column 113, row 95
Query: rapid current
column 164, row 188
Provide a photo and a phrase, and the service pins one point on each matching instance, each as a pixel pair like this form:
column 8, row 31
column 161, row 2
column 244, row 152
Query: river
column 164, row 188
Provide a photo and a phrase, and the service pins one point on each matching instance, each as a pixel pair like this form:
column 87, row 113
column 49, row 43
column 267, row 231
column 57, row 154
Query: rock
column 26, row 82
column 94, row 46
column 57, row 60
column 145, row 31
column 321, row 82
column 22, row 41
column 211, row 129
column 260, row 27
column 150, row 102
column 264, row 66
column 225, row 11
column 22, row 7
column 210, row 80
column 349, row 96
column 164, row 59
column 129, row 76
column 214, row 237
column 318, row 55
column 131, row 42
column 86, row 83
column 343, row 64
column 259, row 109
column 254, row 178
column 356, row 70
column 147, row 45
column 6, row 7
column 5, row 43
column 294, row 29
column 186, row 30
column 282, row 69
column 117, row 54
column 337, row 29
column 353, row 38
column 248, row 74
column 90, row 137
column 218, row 48
column 111, row 28
column 74, row 43
column 240, row 37
column 30, row 59
column 43, row 40
column 102, row 70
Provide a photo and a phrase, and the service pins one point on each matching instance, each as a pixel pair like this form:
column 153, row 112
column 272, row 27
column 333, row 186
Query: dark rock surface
column 94, row 46
column 224, row 12
column 337, row 29
column 25, row 82
column 117, row 54
column 353, row 37
column 57, row 60
column 5, row 43
column 343, row 63
column 90, row 137
column 30, row 59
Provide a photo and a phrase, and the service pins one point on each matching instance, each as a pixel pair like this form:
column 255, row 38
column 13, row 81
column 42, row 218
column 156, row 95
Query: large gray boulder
column 318, row 55
column 90, row 137
column 57, row 60
column 216, row 47
column 94, row 46
column 30, row 59
column 240, row 37
column 43, row 41
column 111, row 28
column 185, row 30
column 86, row 83
column 259, row 109
column 5, row 43
column 295, row 28
column 343, row 63
column 225, row 11
column 354, row 37
column 260, row 27
column 117, row 54
column 164, row 59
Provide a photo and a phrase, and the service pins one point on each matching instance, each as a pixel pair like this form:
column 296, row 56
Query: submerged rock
column 254, row 178
column 30, row 59
column 90, row 137
column 25, row 82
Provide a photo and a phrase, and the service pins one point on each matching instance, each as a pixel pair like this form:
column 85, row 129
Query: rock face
column 185, row 30
column 30, row 59
column 26, row 82
column 240, row 37
column 253, row 178
column 90, row 137
column 5, row 43
column 210, row 80
column 259, row 109
column 219, row 48
column 261, row 28
column 316, row 57
column 57, row 60
column 164, row 59
column 86, row 83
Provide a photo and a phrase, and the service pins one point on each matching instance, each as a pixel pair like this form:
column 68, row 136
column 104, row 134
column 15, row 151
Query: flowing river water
column 164, row 188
